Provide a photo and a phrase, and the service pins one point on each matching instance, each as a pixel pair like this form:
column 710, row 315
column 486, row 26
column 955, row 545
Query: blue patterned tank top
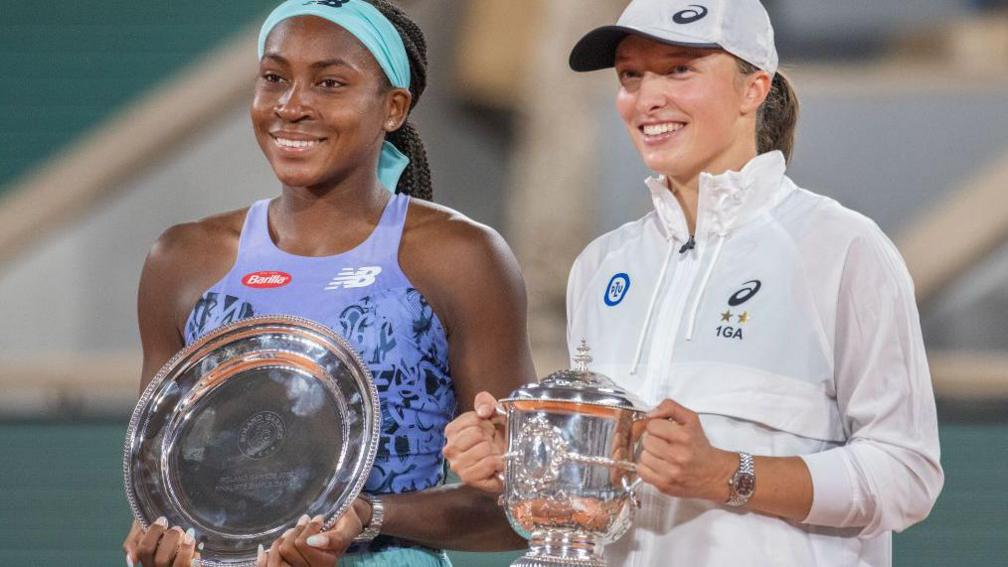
column 364, row 296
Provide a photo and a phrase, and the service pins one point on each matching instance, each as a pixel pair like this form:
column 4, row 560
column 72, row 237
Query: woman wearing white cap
column 775, row 330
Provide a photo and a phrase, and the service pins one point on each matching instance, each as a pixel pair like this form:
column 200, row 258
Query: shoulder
column 838, row 239
column 826, row 223
column 188, row 258
column 202, row 237
column 619, row 242
column 457, row 263
column 436, row 236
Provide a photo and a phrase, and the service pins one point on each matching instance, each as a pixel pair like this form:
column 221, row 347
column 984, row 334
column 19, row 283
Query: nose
column 292, row 106
column 651, row 94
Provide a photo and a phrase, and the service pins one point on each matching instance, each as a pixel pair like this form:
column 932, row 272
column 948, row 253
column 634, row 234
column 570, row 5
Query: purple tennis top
column 363, row 295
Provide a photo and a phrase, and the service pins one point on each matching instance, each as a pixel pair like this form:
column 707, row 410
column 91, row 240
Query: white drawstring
column 651, row 304
column 703, row 287
column 722, row 232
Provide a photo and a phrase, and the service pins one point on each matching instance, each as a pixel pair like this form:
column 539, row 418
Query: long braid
column 416, row 180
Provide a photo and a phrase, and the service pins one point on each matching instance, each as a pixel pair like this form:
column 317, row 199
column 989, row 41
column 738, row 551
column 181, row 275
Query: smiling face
column 687, row 110
column 322, row 104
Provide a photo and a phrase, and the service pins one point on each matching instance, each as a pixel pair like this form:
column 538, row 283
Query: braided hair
column 416, row 180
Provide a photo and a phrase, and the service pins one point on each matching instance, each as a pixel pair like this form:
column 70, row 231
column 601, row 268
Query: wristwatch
column 377, row 515
column 742, row 484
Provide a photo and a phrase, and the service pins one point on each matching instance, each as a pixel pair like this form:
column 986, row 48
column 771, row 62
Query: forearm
column 783, row 488
column 450, row 517
column 783, row 485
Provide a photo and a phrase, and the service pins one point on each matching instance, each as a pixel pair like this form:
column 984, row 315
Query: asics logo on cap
column 350, row 278
column 688, row 16
column 330, row 3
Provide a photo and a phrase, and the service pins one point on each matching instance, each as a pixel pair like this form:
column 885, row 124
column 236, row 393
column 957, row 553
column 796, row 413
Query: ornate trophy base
column 554, row 549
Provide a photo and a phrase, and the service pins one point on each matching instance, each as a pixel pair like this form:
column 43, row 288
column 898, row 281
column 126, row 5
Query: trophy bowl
column 570, row 477
column 248, row 428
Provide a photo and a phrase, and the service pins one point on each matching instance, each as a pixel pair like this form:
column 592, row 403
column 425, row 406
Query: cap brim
column 597, row 49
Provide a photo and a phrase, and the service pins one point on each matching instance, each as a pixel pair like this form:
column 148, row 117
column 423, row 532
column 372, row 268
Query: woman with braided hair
column 358, row 247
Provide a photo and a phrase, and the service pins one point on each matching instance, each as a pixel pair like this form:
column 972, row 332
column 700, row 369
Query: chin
column 665, row 165
column 296, row 178
column 673, row 164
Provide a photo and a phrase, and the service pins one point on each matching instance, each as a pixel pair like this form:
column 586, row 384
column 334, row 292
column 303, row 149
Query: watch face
column 744, row 484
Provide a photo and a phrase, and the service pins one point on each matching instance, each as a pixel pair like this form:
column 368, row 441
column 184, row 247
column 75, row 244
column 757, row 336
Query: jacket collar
column 727, row 201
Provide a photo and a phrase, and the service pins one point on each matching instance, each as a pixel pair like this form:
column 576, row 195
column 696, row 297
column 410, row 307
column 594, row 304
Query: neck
column 686, row 188
column 319, row 221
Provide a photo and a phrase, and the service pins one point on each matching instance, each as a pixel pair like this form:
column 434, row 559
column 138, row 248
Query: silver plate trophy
column 570, row 479
column 248, row 428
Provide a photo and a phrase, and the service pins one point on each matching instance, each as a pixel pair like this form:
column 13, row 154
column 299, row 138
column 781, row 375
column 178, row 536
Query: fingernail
column 197, row 563
column 320, row 519
column 303, row 520
column 162, row 521
column 190, row 536
column 129, row 560
column 259, row 554
column 200, row 546
column 317, row 540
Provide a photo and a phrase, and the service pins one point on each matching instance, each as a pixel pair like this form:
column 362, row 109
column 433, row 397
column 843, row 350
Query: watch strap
column 742, row 484
column 373, row 528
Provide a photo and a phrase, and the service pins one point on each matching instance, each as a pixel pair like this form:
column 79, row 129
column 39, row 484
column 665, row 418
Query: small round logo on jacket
column 617, row 289
column 266, row 279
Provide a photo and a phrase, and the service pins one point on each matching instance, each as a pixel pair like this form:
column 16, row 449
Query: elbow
column 923, row 496
column 902, row 502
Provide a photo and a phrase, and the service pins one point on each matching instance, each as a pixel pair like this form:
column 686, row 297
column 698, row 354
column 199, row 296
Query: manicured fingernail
column 129, row 561
column 162, row 521
column 317, row 540
column 200, row 546
column 260, row 553
column 197, row 563
column 303, row 520
column 190, row 536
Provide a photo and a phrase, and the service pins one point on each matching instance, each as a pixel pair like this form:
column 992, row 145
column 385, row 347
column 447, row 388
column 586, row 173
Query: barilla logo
column 266, row 280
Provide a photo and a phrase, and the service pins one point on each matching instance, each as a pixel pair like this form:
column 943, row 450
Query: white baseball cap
column 740, row 27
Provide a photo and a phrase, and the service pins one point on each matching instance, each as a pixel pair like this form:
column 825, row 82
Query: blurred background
column 121, row 119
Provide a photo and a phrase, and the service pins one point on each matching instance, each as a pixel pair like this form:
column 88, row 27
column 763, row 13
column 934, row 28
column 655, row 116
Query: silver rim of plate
column 210, row 442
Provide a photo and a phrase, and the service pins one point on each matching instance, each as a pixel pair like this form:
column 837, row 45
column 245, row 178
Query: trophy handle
column 499, row 410
column 631, row 490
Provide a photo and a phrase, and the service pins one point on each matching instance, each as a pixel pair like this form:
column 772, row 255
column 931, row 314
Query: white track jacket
column 791, row 328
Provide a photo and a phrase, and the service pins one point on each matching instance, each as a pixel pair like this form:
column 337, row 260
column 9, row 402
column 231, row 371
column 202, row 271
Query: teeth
column 296, row 143
column 659, row 129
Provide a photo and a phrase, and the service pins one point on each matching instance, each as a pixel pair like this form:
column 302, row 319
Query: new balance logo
column 330, row 3
column 350, row 277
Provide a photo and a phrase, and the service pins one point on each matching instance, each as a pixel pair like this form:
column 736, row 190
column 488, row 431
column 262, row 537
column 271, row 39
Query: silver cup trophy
column 247, row 429
column 570, row 477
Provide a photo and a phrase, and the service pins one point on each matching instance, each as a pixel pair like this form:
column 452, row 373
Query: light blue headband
column 378, row 35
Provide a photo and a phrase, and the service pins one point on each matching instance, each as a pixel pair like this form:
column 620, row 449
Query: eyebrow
column 334, row 62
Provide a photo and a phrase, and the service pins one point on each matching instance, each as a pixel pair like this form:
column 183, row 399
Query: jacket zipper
column 677, row 294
